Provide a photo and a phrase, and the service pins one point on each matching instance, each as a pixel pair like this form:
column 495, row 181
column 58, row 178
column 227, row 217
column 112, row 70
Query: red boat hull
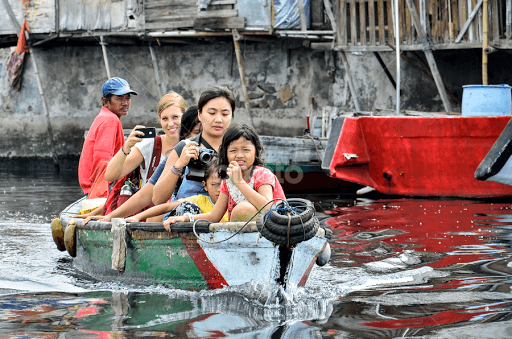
column 418, row 156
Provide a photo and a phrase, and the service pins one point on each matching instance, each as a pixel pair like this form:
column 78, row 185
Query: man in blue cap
column 105, row 137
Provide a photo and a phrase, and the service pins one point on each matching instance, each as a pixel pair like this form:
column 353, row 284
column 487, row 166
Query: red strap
column 113, row 198
column 111, row 203
column 155, row 158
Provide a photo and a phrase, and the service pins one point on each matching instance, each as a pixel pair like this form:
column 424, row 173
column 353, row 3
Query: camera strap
column 204, row 142
column 199, row 140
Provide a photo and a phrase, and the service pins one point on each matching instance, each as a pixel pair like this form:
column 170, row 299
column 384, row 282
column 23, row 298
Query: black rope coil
column 289, row 222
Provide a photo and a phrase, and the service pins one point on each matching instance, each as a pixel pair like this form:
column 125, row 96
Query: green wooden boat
column 191, row 257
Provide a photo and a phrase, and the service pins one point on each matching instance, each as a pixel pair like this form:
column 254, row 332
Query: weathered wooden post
column 105, row 56
column 485, row 42
column 236, row 38
column 157, row 73
column 429, row 55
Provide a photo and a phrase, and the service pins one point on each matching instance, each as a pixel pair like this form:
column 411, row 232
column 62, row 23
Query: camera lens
column 205, row 157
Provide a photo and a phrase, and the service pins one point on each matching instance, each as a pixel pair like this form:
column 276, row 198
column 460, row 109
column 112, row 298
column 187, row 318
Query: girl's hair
column 171, row 98
column 189, row 120
column 211, row 167
column 217, row 92
column 233, row 133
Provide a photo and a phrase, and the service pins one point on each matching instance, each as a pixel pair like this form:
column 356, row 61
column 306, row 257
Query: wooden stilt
column 57, row 17
column 272, row 16
column 350, row 82
column 231, row 62
column 236, row 38
column 485, row 42
column 39, row 86
column 105, row 56
column 508, row 20
column 430, row 56
column 161, row 91
column 302, row 12
column 328, row 10
column 396, row 21
column 450, row 31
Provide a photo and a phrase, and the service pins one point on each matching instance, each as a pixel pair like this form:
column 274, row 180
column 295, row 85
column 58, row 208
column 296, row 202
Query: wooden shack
column 353, row 25
column 338, row 25
column 338, row 31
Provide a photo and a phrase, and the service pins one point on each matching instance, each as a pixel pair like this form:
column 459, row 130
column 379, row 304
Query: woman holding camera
column 216, row 108
column 138, row 151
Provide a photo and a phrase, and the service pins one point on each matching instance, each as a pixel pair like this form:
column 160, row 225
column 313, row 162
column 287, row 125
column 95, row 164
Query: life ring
column 70, row 238
column 58, row 234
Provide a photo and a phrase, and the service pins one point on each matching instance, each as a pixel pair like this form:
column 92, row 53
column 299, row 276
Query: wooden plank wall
column 167, row 15
column 369, row 23
column 366, row 23
column 40, row 16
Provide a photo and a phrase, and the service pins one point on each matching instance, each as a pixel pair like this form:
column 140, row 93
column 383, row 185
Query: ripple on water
column 415, row 259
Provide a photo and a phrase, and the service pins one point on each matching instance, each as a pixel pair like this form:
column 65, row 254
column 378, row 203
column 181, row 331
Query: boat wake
column 270, row 302
column 32, row 286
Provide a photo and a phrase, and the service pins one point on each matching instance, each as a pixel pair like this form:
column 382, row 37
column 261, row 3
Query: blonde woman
column 139, row 152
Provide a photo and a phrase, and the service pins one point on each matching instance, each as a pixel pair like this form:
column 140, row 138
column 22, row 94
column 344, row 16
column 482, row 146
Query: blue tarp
column 287, row 15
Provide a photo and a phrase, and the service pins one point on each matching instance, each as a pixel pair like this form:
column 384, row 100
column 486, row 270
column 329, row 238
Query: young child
column 194, row 204
column 249, row 186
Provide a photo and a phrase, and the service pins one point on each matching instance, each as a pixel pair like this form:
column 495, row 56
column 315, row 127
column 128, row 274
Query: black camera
column 149, row 132
column 197, row 167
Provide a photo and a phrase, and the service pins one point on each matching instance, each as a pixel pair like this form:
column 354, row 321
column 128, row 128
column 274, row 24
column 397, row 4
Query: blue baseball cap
column 117, row 86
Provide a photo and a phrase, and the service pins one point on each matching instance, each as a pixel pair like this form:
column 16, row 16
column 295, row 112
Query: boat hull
column 417, row 156
column 181, row 260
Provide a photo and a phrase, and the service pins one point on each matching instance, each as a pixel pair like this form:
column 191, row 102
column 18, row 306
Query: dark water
column 400, row 268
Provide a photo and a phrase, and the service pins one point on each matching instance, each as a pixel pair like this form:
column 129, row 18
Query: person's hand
column 133, row 138
column 97, row 217
column 190, row 151
column 172, row 220
column 92, row 217
column 81, row 216
column 235, row 173
column 133, row 219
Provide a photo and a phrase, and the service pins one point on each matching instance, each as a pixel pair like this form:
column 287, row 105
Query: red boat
column 415, row 156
